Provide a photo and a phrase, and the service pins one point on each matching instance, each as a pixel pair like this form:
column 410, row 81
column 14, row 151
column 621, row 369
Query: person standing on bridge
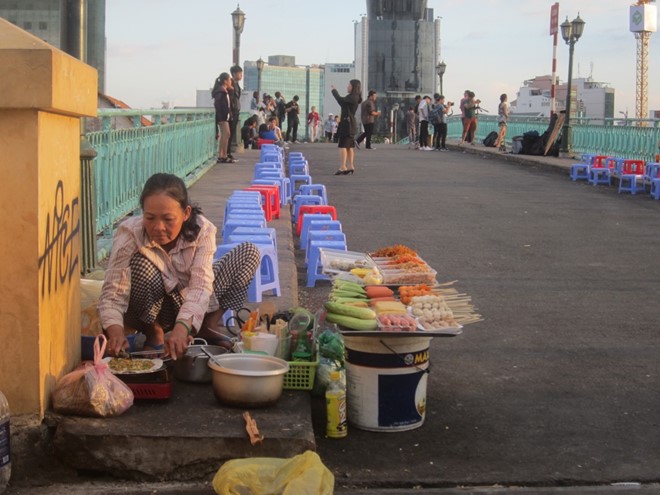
column 235, row 98
column 502, row 118
column 368, row 116
column 161, row 278
column 347, row 128
column 222, row 105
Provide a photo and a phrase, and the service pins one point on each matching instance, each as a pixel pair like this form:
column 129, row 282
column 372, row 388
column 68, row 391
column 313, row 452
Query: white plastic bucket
column 261, row 342
column 386, row 382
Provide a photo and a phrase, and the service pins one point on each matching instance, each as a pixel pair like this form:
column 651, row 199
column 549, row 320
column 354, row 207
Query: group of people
column 424, row 114
column 226, row 94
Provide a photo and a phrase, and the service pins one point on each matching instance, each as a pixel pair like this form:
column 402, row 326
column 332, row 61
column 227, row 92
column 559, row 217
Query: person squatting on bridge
column 161, row 278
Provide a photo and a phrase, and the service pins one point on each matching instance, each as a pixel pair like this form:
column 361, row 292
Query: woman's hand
column 177, row 341
column 116, row 339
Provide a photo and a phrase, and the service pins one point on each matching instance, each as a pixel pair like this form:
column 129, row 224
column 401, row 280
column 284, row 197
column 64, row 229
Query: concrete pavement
column 361, row 450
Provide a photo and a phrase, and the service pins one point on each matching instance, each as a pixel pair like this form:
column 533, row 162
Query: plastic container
column 335, row 403
column 5, row 451
column 387, row 380
column 404, row 277
column 396, row 323
column 335, row 261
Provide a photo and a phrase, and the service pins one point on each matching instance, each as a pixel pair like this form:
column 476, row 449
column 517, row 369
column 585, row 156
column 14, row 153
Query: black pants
column 423, row 133
column 366, row 135
column 439, row 135
column 291, row 129
column 231, row 145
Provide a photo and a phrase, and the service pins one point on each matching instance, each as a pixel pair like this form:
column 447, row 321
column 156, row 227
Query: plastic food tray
column 301, row 374
column 336, row 261
column 404, row 277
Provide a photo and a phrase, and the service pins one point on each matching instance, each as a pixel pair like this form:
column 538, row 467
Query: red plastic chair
column 631, row 172
column 271, row 196
column 264, row 141
column 311, row 210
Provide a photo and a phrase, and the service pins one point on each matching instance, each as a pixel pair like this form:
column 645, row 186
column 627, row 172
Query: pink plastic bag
column 91, row 389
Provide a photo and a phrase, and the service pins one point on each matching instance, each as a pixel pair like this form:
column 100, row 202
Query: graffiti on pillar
column 58, row 261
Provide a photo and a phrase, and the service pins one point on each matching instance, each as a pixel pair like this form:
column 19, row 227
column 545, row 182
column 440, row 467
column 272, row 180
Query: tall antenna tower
column 643, row 22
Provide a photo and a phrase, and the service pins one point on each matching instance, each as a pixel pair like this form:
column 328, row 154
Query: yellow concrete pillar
column 43, row 94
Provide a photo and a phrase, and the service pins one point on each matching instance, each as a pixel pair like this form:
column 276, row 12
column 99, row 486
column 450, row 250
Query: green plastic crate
column 301, row 374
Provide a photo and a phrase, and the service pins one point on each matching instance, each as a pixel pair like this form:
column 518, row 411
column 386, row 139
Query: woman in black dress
column 347, row 129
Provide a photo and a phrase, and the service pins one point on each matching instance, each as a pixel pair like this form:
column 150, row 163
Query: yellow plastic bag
column 303, row 474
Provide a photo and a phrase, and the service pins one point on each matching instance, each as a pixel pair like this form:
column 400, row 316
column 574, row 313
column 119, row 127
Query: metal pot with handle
column 193, row 365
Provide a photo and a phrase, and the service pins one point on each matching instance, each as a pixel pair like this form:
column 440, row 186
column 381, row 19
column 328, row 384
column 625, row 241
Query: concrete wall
column 41, row 101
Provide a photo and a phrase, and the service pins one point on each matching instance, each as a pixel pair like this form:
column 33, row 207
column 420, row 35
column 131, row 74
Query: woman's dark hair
column 255, row 94
column 356, row 88
column 263, row 128
column 223, row 77
column 176, row 189
column 503, row 97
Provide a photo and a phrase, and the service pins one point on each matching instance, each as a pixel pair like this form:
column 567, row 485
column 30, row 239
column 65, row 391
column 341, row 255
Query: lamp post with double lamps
column 238, row 20
column 571, row 32
column 441, row 68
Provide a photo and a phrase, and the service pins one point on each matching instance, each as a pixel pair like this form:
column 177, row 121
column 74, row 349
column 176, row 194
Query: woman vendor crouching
column 161, row 278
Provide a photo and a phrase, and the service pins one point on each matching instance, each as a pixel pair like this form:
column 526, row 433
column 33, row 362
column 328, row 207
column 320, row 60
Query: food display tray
column 444, row 332
column 335, row 261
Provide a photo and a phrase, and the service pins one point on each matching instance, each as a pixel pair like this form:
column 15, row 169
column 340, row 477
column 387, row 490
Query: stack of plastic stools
column 242, row 208
column 313, row 210
column 299, row 168
column 301, row 200
column 318, row 189
column 266, row 168
column 314, row 267
column 271, row 200
column 632, row 171
column 297, row 180
column 246, row 196
column 580, row 171
column 284, row 184
column 233, row 223
column 267, row 277
column 651, row 171
column 272, row 233
column 317, row 224
column 253, row 238
column 296, row 155
column 323, row 238
column 306, row 225
column 271, row 157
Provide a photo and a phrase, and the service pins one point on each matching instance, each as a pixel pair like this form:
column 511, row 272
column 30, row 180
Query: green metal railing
column 600, row 136
column 180, row 142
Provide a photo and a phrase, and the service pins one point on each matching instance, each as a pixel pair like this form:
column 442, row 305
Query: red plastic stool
column 313, row 209
column 271, row 196
column 263, row 141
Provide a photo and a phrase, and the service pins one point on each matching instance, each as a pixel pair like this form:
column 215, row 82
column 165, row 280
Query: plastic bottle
column 335, row 403
column 5, row 457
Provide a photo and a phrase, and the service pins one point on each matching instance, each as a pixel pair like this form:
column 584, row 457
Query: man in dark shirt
column 368, row 115
column 292, row 119
column 235, row 99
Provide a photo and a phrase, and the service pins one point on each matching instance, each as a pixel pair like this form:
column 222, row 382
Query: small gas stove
column 154, row 385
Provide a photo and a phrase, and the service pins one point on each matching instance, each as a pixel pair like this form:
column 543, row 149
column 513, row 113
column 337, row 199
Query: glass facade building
column 305, row 81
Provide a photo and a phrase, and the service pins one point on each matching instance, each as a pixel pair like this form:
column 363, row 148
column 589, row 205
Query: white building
column 590, row 99
column 337, row 75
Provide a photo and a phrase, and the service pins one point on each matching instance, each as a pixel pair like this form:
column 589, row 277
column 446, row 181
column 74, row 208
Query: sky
column 164, row 50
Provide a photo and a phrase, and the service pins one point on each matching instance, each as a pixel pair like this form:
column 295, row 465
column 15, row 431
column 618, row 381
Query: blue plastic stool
column 271, row 157
column 314, row 268
column 293, row 155
column 300, row 168
column 242, row 209
column 317, row 236
column 297, row 181
column 246, row 196
column 314, row 224
column 628, row 183
column 232, row 224
column 599, row 175
column 579, row 171
column 257, row 231
column 253, row 238
column 306, row 223
column 318, row 189
column 655, row 188
column 651, row 171
column 304, row 199
column 267, row 277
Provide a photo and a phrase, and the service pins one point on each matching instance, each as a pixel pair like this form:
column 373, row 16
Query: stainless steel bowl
column 193, row 365
column 248, row 380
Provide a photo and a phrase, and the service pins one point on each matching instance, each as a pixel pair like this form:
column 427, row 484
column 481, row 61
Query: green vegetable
column 346, row 293
column 353, row 311
column 351, row 323
column 348, row 286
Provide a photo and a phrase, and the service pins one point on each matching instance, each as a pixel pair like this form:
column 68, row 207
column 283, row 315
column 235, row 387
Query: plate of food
column 127, row 366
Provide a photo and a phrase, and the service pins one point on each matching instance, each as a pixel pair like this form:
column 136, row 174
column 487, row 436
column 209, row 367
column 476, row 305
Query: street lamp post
column 260, row 68
column 571, row 32
column 441, row 68
column 238, row 20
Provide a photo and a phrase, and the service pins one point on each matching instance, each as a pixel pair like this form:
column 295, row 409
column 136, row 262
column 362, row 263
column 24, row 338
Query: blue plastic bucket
column 87, row 346
column 386, row 382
